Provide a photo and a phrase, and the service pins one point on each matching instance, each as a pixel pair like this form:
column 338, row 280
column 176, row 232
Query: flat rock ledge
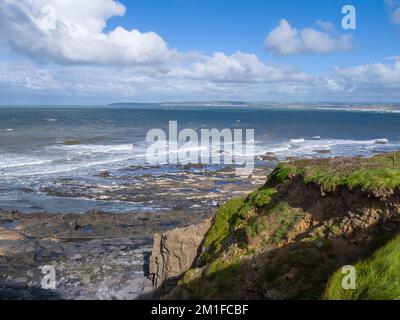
column 174, row 252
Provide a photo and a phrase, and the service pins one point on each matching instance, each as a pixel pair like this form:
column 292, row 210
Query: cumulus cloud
column 84, row 62
column 73, row 32
column 369, row 82
column 54, row 31
column 393, row 6
column 239, row 67
column 286, row 40
column 103, row 84
column 377, row 74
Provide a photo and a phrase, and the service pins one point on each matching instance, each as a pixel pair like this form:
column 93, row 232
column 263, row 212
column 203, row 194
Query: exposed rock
column 268, row 256
column 192, row 185
column 105, row 174
column 269, row 156
column 124, row 289
column 95, row 255
column 174, row 252
column 105, row 255
column 10, row 236
column 322, row 151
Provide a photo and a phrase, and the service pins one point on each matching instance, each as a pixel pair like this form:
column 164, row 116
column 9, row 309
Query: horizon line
column 214, row 102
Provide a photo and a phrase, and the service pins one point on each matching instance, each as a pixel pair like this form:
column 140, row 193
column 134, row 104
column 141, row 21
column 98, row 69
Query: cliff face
column 288, row 239
column 174, row 252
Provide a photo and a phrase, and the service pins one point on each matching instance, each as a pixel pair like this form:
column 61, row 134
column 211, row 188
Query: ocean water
column 41, row 147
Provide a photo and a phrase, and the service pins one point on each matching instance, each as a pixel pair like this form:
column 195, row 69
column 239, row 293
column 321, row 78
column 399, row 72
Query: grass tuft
column 287, row 220
column 221, row 228
column 379, row 173
column 377, row 278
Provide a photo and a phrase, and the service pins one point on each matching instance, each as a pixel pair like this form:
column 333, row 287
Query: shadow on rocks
column 17, row 292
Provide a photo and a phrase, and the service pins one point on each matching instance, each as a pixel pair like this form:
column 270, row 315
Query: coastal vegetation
column 378, row 278
column 290, row 238
column 379, row 173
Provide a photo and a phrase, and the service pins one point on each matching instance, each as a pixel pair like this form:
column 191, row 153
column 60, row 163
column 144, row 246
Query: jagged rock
column 175, row 251
column 120, row 288
column 269, row 156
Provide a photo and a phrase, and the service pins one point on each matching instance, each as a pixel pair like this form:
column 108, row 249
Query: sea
column 72, row 146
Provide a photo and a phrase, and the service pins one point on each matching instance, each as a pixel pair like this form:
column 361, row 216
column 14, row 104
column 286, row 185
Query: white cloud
column 376, row 75
column 326, row 25
column 371, row 82
column 55, row 31
column 239, row 67
column 73, row 32
column 68, row 56
column 393, row 6
column 286, row 40
column 103, row 84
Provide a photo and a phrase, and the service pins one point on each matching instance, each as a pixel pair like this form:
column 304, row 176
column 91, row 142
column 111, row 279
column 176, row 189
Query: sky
column 104, row 51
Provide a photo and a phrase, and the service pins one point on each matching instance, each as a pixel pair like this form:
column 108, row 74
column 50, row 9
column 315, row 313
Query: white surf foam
column 331, row 147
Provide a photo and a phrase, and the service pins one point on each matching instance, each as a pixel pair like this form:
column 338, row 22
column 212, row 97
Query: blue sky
column 101, row 51
column 227, row 26
column 220, row 25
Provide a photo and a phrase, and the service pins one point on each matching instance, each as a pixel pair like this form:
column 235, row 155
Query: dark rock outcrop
column 174, row 252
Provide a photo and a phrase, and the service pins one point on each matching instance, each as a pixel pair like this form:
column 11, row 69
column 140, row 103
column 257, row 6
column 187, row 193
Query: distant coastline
column 389, row 107
column 315, row 106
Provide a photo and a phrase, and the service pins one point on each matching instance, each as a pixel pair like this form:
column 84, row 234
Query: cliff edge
column 174, row 252
column 291, row 238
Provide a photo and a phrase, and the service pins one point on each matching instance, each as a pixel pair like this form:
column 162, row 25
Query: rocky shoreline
column 263, row 239
column 166, row 188
column 106, row 255
column 96, row 255
column 270, row 236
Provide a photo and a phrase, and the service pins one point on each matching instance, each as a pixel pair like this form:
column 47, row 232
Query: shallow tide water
column 74, row 159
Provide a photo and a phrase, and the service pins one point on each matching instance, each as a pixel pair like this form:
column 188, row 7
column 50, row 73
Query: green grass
column 375, row 179
column 233, row 215
column 279, row 175
column 244, row 227
column 381, row 172
column 287, row 220
column 255, row 226
column 221, row 228
column 220, row 264
column 377, row 278
column 261, row 197
column 215, row 279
